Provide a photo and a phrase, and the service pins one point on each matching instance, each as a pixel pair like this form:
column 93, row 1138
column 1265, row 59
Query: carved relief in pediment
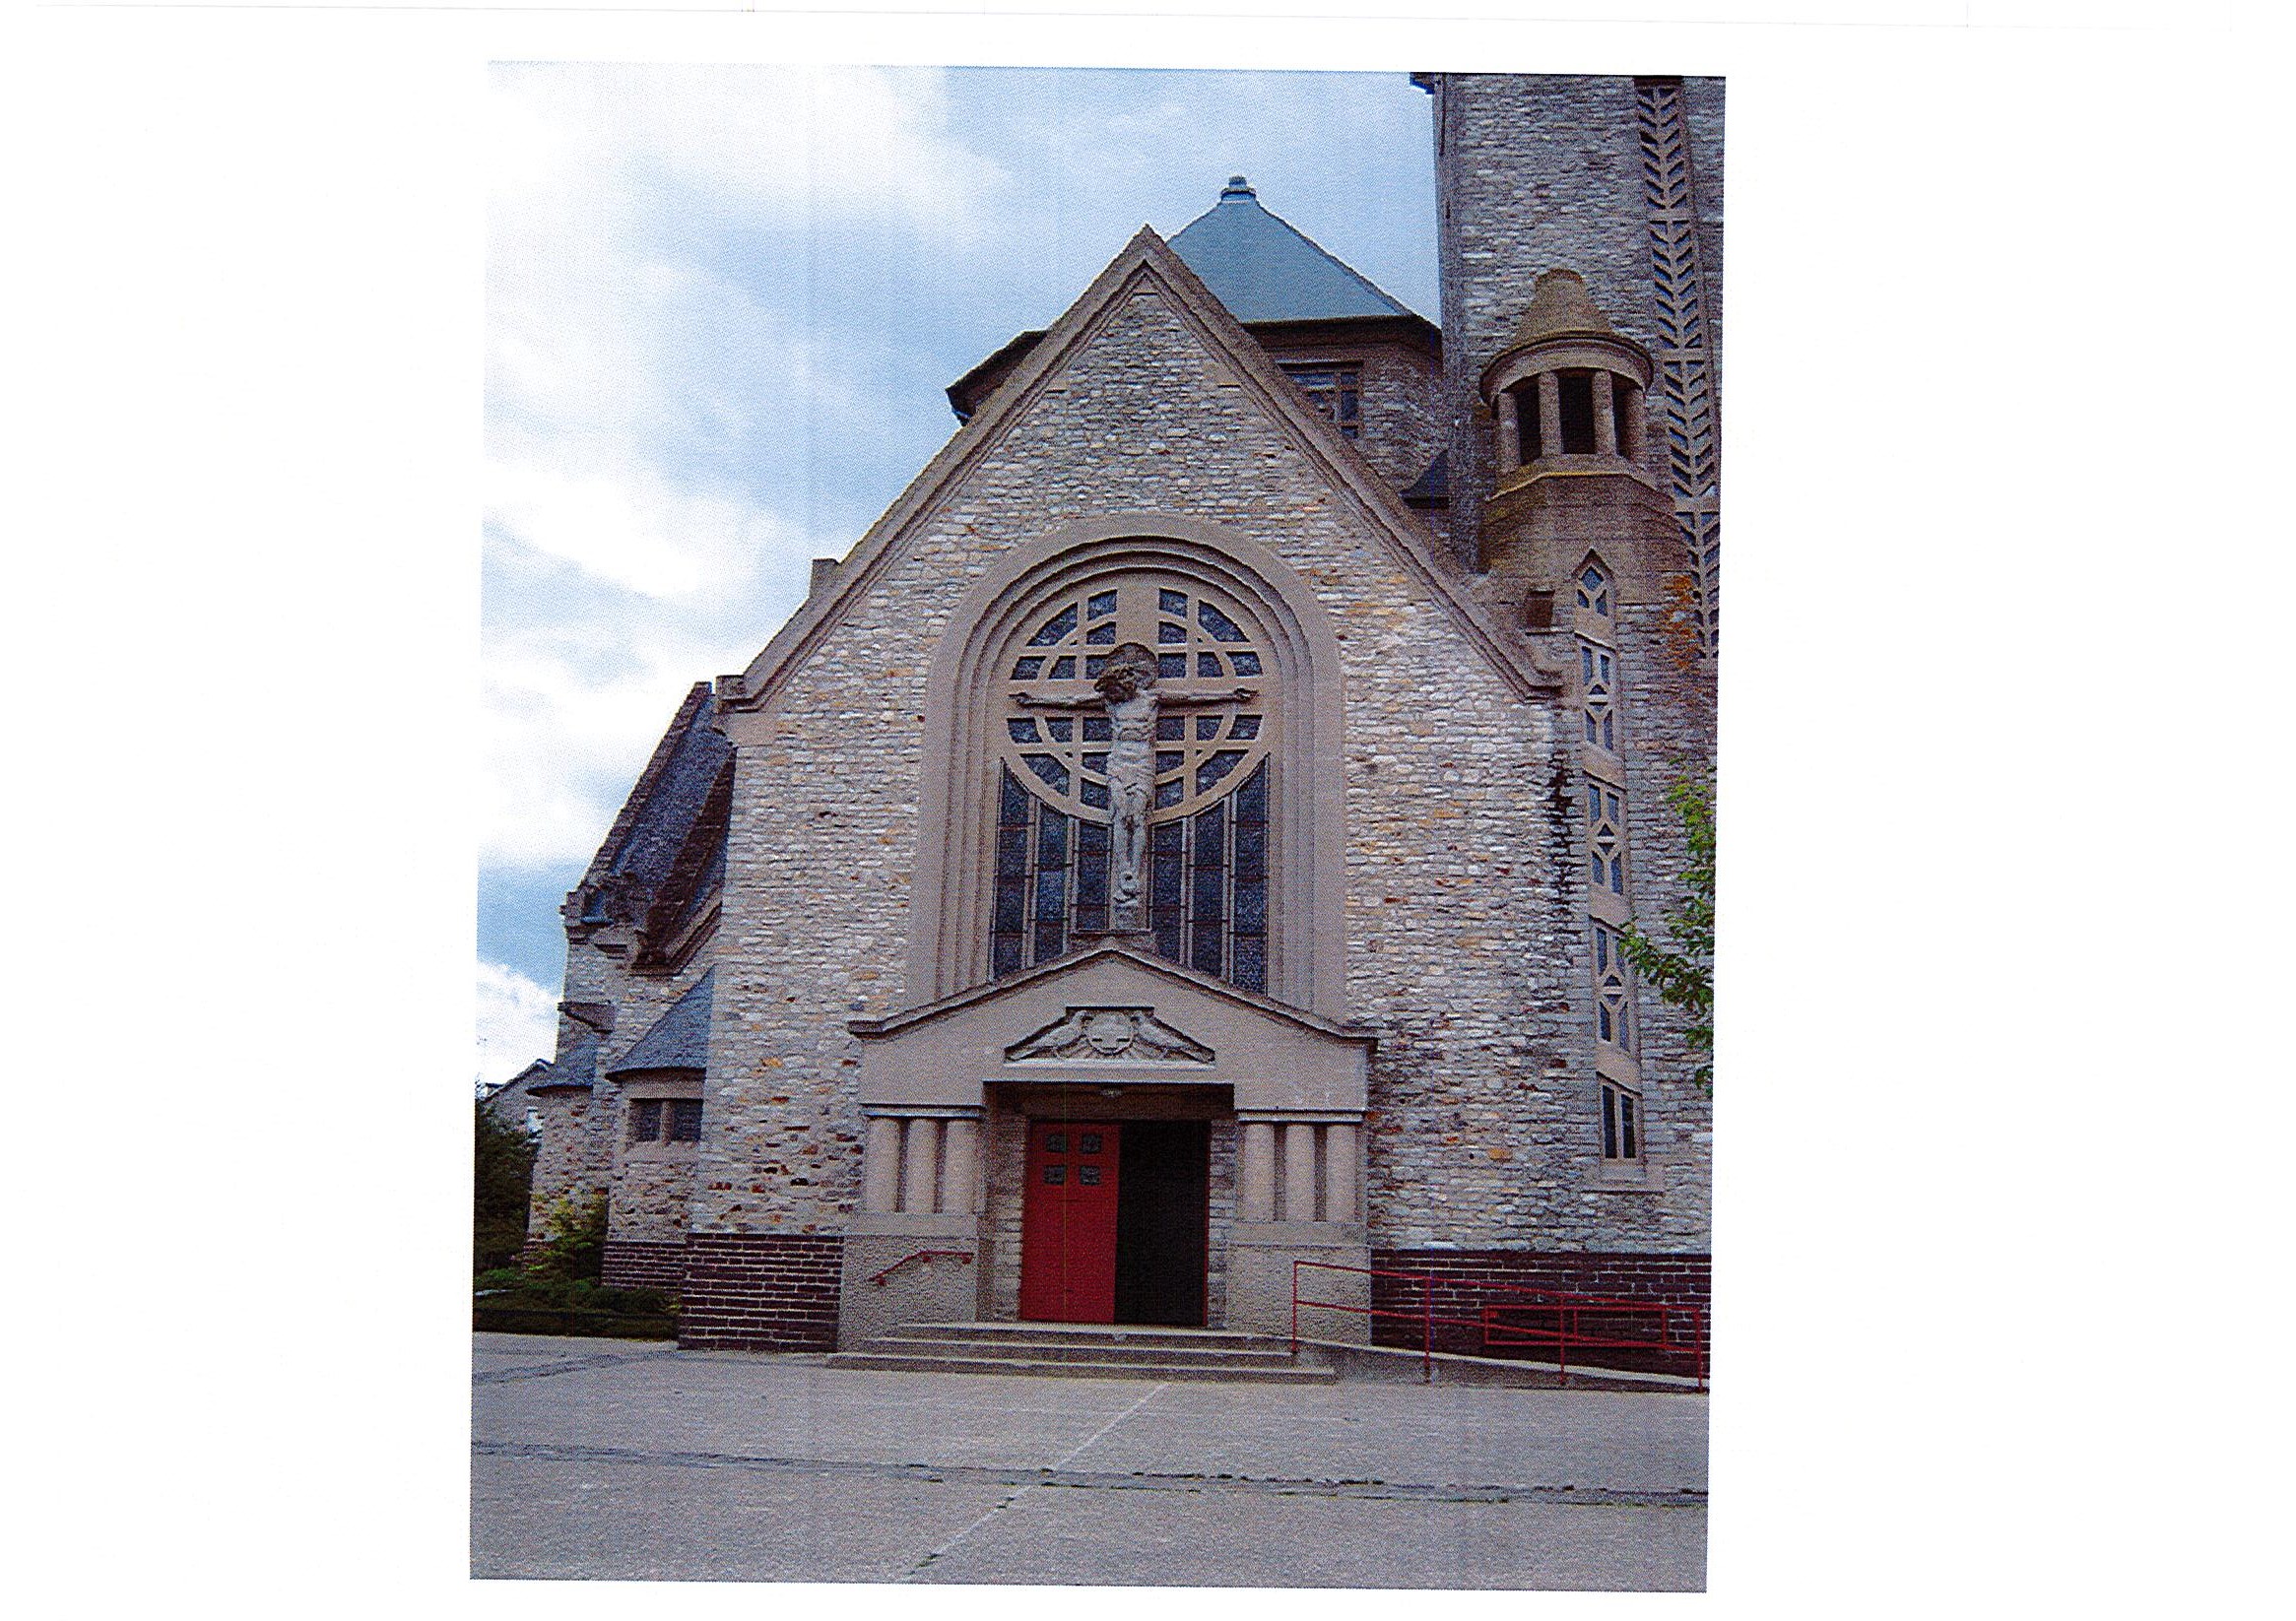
column 1117, row 1034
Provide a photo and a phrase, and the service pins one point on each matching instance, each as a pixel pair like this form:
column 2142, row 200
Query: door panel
column 1067, row 1222
column 1162, row 1218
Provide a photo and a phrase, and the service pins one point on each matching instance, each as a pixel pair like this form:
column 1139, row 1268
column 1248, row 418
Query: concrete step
column 1117, row 1336
column 1035, row 1349
column 954, row 1362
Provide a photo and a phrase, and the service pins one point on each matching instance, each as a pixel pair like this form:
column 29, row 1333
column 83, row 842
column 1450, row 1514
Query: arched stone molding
column 949, row 941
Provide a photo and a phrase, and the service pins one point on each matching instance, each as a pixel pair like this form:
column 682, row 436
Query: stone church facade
column 1189, row 834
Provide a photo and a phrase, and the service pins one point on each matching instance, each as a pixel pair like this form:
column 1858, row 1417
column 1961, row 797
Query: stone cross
column 1126, row 687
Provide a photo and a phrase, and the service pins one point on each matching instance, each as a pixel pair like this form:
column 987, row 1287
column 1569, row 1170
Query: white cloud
column 633, row 528
column 518, row 1022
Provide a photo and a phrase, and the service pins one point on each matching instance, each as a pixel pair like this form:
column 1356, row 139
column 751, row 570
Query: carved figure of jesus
column 1126, row 687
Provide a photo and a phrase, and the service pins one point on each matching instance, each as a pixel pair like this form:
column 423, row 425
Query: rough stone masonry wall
column 1455, row 907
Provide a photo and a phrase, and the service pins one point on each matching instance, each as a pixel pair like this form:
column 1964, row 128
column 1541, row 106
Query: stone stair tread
column 900, row 1362
column 1055, row 1351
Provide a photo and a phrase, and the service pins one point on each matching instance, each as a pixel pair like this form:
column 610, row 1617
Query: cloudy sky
column 723, row 303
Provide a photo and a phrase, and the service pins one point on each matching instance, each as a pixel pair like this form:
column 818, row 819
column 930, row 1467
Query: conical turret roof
column 1560, row 308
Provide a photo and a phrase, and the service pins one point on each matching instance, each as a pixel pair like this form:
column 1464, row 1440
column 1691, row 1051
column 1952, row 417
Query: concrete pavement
column 632, row 1460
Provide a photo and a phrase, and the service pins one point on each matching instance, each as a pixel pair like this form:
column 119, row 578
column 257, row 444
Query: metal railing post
column 1427, row 1328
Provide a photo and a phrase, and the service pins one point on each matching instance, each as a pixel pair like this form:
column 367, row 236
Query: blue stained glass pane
column 1210, row 846
column 1095, row 665
column 1594, row 733
column 1244, row 729
column 1093, row 794
column 1251, row 907
column 1011, row 801
column 1012, row 852
column 1168, row 759
column 1602, row 1021
column 1098, row 728
column 1023, row 731
column 1171, row 728
column 1100, row 606
column 1091, row 865
column 1251, row 850
column 1250, row 801
column 1613, row 801
column 1098, row 764
column 1223, row 628
column 1050, row 769
column 1012, row 905
column 1607, row 736
column 1052, row 845
column 1168, row 632
column 1173, row 601
column 1064, row 669
column 1250, row 968
column 1594, row 804
column 1061, row 726
column 1204, row 947
column 1207, row 664
column 1027, row 670
column 1056, row 627
column 1100, row 635
column 1005, row 955
column 1627, row 1126
column 1601, row 951
column 1609, row 1123
column 1244, row 664
column 1166, row 839
column 1216, row 768
column 1051, row 939
column 1206, row 728
column 1171, row 666
column 1617, row 875
column 1586, row 662
column 1595, row 868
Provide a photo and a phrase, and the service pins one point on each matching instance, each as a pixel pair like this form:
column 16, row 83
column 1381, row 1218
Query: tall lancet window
column 1133, row 789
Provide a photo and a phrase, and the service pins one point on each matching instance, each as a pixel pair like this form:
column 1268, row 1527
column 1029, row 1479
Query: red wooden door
column 1068, row 1224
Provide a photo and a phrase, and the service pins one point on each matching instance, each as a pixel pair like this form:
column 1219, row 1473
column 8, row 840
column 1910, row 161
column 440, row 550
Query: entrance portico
column 1233, row 1120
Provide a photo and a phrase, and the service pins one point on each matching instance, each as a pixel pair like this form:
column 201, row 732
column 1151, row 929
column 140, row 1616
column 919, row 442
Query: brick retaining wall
column 1676, row 1279
column 761, row 1292
column 644, row 1263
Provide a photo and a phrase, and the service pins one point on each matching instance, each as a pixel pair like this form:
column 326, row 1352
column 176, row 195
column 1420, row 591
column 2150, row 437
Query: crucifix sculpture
column 1126, row 687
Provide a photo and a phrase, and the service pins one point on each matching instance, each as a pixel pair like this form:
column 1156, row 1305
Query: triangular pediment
column 1147, row 269
column 1111, row 1013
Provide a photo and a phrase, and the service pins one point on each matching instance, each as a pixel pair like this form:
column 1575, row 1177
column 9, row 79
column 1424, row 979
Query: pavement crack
column 1021, row 1481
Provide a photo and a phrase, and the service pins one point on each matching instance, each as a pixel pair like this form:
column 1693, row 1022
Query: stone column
column 920, row 1147
column 1549, row 414
column 1339, row 1173
column 1510, row 432
column 1298, row 1170
column 960, row 1174
column 1256, row 1173
column 1635, row 406
column 1606, row 423
column 880, row 1166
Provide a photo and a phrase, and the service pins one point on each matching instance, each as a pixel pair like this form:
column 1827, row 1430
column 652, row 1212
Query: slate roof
column 658, row 820
column 680, row 1038
column 572, row 1071
column 1265, row 270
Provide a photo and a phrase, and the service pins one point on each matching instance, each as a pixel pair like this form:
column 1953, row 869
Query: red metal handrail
column 1495, row 1327
column 965, row 1255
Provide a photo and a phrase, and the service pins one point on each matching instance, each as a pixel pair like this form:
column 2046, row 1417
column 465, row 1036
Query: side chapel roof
column 680, row 1038
column 651, row 853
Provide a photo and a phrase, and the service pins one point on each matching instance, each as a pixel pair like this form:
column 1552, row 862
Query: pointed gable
column 1146, row 277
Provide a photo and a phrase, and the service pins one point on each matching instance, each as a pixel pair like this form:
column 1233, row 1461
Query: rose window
column 1206, row 738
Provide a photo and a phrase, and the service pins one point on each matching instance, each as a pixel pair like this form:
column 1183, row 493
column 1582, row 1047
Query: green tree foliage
column 573, row 1245
column 1683, row 970
column 502, row 1161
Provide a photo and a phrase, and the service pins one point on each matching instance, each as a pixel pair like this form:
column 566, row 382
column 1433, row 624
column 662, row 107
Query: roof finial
column 1237, row 186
